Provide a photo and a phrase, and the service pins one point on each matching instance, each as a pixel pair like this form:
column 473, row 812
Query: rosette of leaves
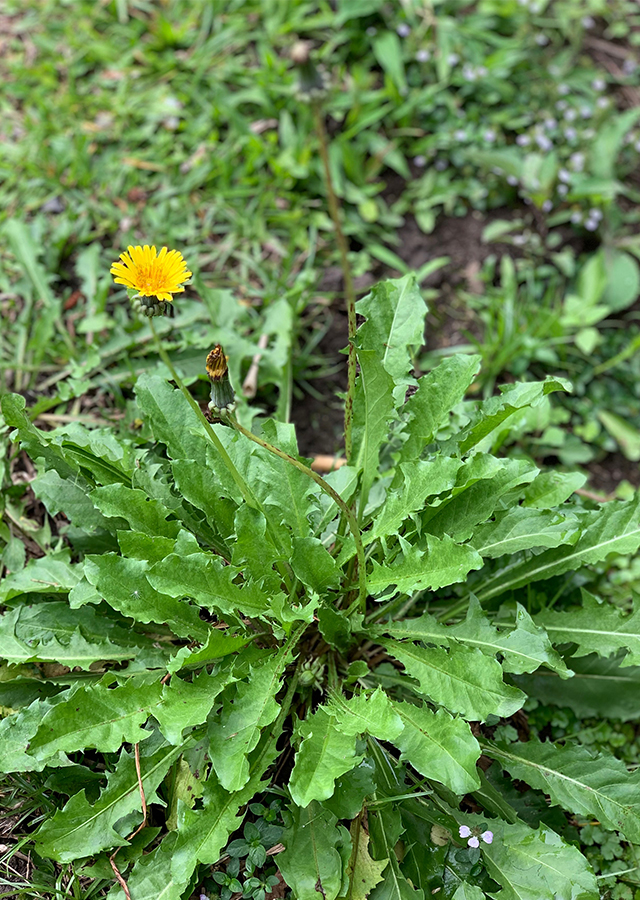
column 173, row 627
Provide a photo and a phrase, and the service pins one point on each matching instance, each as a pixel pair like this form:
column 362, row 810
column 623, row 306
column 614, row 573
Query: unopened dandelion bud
column 311, row 80
column 223, row 398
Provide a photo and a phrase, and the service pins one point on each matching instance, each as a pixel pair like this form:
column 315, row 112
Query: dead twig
column 250, row 384
column 325, row 463
column 143, row 799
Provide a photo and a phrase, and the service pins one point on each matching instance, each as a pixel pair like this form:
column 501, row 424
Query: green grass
column 178, row 123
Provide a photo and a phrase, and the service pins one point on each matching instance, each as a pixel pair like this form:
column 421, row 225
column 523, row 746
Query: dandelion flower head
column 151, row 274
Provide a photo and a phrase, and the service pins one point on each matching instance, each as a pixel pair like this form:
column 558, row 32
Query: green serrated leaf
column 172, row 419
column 184, row 704
column 205, row 577
column 444, row 562
column 326, row 753
column 52, row 631
column 420, row 479
column 550, row 489
column 367, row 713
column 395, row 314
column 438, row 392
column 462, row 680
column 524, row 649
column 596, row 628
column 218, row 645
column 372, row 412
column 351, row 790
column 313, row 564
column 438, row 746
column 97, row 716
column 492, row 413
column 311, row 863
column 586, row 784
column 48, row 575
column 600, row 688
column 70, row 497
column 253, row 550
column 123, row 584
column 475, row 498
column 81, row 829
column 614, row 528
column 518, row 529
column 17, row 730
column 143, row 513
column 537, row 865
column 286, row 493
column 250, row 707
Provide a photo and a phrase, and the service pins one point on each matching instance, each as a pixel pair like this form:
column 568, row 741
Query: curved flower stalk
column 155, row 277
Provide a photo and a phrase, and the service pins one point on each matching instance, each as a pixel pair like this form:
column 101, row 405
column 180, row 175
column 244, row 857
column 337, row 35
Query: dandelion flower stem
column 350, row 516
column 350, row 296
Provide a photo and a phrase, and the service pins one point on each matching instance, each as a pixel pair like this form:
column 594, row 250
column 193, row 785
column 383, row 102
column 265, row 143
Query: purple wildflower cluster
column 474, row 836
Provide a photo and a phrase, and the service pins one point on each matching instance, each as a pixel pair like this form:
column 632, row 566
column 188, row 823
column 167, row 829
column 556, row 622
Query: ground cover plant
column 226, row 596
column 225, row 675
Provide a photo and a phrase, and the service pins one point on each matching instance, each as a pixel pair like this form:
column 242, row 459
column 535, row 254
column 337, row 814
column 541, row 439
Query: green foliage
column 193, row 640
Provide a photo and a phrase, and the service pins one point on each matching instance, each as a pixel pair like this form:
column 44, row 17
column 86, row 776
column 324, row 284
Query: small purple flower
column 523, row 140
column 423, row 56
column 591, row 225
column 629, row 66
column 563, row 190
column 598, row 84
column 489, row 135
column 420, row 161
column 372, row 31
column 453, row 59
column 577, row 161
column 588, row 21
column 440, row 165
column 595, row 214
column 564, row 89
column 561, row 105
column 550, row 123
column 564, row 175
column 403, row 29
column 547, row 206
column 473, row 842
column 468, row 72
column 512, row 180
column 586, row 112
column 460, row 134
column 544, row 142
column 571, row 134
column 464, row 831
column 542, row 40
column 576, row 217
column 570, row 115
column 487, row 837
column 602, row 102
column 636, row 146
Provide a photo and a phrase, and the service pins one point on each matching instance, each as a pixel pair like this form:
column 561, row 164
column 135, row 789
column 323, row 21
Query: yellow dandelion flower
column 151, row 274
